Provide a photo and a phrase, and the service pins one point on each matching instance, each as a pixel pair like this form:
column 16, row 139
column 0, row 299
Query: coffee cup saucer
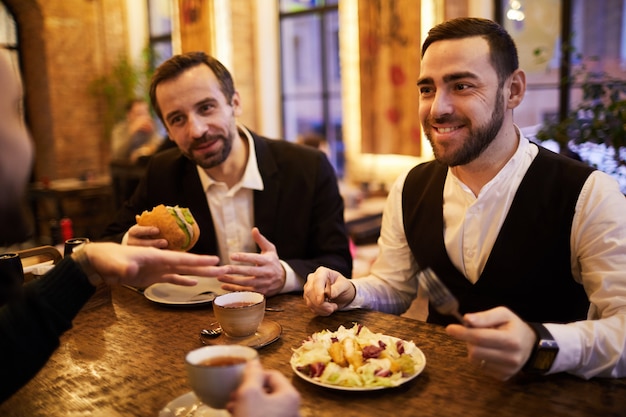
column 182, row 405
column 268, row 332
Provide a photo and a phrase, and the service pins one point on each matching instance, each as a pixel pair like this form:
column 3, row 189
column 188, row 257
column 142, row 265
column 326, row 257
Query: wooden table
column 59, row 190
column 126, row 358
column 88, row 203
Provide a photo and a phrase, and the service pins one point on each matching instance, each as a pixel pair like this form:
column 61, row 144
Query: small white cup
column 239, row 313
column 215, row 371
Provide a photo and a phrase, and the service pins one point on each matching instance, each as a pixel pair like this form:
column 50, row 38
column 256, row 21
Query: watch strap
column 544, row 352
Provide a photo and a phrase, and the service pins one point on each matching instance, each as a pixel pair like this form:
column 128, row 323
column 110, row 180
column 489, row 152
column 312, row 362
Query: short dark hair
column 502, row 48
column 178, row 64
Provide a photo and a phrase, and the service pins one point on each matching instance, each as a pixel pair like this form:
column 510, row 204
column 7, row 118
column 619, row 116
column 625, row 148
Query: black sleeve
column 30, row 326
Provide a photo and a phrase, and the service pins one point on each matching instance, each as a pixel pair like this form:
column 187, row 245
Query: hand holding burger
column 176, row 225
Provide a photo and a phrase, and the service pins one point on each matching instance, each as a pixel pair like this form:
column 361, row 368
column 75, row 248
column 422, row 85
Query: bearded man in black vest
column 531, row 243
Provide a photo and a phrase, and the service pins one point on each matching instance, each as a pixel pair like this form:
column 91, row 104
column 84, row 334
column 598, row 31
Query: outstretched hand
column 141, row 266
column 260, row 272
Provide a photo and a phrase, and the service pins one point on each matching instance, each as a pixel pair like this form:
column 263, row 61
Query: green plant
column 123, row 82
column 599, row 118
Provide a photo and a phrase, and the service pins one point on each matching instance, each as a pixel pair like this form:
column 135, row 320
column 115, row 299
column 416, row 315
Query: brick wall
column 64, row 44
column 244, row 60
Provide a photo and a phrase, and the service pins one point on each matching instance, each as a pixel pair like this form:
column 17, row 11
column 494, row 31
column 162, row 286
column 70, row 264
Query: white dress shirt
column 233, row 213
column 594, row 347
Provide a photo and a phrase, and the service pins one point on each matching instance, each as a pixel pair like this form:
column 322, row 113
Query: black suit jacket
column 300, row 209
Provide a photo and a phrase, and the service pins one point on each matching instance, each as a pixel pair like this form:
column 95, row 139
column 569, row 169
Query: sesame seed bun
column 175, row 224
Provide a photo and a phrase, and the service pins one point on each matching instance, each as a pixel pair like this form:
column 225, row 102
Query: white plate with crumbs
column 178, row 295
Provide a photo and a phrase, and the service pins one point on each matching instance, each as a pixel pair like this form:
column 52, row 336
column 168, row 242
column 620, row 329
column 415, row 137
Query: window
column 160, row 26
column 311, row 80
column 594, row 31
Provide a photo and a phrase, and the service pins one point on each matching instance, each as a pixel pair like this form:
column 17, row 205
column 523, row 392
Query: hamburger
column 175, row 224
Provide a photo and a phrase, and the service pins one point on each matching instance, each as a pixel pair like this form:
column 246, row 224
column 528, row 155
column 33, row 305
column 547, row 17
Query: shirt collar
column 516, row 160
column 513, row 165
column 251, row 178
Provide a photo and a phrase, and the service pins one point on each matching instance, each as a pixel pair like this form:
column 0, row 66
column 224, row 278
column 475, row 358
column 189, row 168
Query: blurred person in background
column 314, row 140
column 136, row 136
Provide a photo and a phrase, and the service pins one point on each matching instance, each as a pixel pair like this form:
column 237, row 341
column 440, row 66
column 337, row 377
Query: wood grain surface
column 126, row 358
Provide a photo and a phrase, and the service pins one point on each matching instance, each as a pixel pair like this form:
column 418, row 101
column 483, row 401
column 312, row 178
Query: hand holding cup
column 216, row 371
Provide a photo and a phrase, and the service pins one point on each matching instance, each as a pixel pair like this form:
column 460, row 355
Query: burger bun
column 175, row 224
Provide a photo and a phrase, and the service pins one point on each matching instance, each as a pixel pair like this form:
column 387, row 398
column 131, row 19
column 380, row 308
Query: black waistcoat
column 528, row 269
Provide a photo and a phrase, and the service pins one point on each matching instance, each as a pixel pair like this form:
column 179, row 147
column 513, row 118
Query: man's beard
column 214, row 159
column 479, row 139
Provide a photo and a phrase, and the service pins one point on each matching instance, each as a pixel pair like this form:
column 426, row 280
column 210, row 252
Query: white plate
column 418, row 355
column 178, row 295
column 182, row 405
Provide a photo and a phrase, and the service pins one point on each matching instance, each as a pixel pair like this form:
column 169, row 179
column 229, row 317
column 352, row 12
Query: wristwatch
column 543, row 354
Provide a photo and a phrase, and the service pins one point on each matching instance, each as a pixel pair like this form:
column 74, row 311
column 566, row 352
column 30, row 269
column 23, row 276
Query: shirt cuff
column 359, row 300
column 292, row 281
column 568, row 339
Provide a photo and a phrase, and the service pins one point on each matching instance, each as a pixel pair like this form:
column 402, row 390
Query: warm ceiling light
column 515, row 11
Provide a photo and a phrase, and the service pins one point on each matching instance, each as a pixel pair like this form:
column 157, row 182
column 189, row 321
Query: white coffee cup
column 239, row 313
column 216, row 371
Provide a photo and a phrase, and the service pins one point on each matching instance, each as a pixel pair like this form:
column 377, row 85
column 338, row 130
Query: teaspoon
column 211, row 332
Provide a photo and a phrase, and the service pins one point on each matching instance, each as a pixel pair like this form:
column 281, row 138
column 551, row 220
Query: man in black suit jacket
column 287, row 193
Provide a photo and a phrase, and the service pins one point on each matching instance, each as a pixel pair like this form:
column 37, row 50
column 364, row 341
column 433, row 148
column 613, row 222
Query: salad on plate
column 357, row 359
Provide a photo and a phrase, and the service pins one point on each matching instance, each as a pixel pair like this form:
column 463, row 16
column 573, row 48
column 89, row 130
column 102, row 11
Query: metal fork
column 439, row 295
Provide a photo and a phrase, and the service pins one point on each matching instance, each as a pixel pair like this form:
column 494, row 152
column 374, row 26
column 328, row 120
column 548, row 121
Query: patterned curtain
column 390, row 44
column 196, row 33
